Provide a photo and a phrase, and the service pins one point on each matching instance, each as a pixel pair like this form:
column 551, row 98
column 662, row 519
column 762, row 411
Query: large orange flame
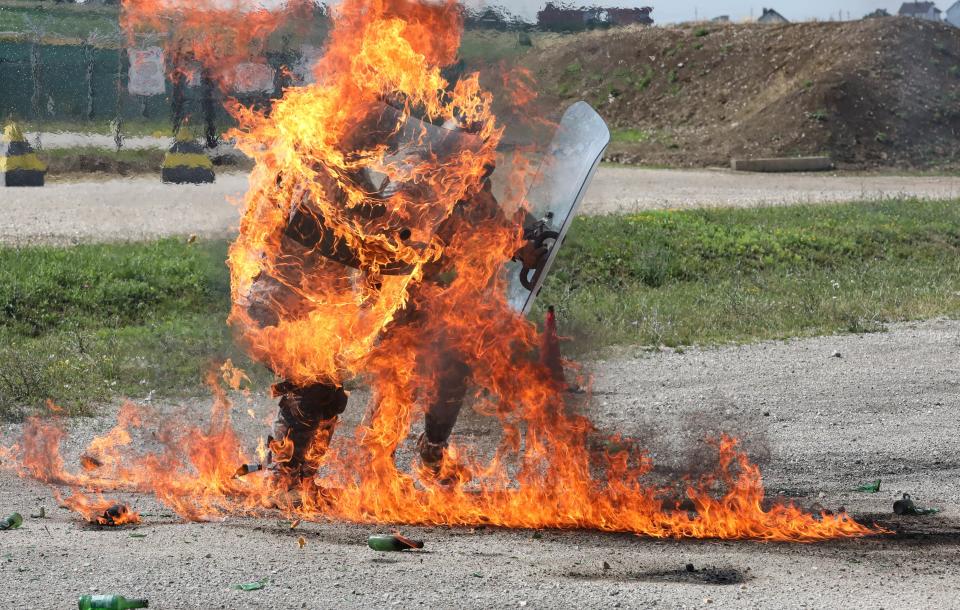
column 356, row 322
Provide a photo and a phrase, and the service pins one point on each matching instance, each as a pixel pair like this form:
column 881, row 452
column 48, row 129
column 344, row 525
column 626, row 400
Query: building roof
column 771, row 15
column 912, row 9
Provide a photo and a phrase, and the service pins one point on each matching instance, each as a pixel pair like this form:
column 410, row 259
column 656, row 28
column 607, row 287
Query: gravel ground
column 819, row 424
column 66, row 212
column 68, row 139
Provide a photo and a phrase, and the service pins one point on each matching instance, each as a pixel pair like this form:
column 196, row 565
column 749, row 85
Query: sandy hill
column 878, row 92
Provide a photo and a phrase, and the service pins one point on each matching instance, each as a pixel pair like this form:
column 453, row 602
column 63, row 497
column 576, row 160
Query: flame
column 219, row 35
column 386, row 319
column 98, row 510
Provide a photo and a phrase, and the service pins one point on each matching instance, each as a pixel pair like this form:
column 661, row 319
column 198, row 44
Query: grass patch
column 94, row 159
column 93, row 322
column 62, row 20
column 632, row 136
column 719, row 276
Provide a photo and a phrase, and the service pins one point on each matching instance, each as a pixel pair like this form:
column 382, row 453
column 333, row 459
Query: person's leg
column 444, row 408
column 305, row 422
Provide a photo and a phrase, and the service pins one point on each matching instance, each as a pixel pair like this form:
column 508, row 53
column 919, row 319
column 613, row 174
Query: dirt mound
column 877, row 92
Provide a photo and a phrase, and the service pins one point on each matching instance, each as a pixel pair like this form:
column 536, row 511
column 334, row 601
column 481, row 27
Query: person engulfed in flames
column 354, row 266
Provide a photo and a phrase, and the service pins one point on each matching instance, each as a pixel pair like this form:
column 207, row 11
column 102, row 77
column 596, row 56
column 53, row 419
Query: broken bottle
column 110, row 602
column 393, row 542
column 12, row 522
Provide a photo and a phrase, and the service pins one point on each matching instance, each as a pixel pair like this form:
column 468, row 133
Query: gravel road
column 66, row 212
column 68, row 139
column 888, row 408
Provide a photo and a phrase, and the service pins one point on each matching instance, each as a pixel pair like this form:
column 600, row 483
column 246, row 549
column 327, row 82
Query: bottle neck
column 130, row 604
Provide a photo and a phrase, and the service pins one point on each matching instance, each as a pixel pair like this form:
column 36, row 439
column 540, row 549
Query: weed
column 644, row 82
column 632, row 136
column 675, row 50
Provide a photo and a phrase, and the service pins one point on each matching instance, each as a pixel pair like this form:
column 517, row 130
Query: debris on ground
column 392, row 543
column 110, row 602
column 89, row 463
column 40, row 514
column 870, row 488
column 11, row 522
column 252, row 586
column 117, row 514
column 246, row 469
column 905, row 506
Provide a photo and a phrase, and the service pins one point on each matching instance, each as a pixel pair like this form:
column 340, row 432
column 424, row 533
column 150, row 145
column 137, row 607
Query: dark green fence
column 51, row 82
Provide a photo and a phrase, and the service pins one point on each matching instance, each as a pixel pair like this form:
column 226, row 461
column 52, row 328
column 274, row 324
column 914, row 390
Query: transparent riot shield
column 565, row 173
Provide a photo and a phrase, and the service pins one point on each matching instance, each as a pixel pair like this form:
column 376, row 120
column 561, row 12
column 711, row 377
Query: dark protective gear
column 451, row 376
column 306, row 419
column 308, row 415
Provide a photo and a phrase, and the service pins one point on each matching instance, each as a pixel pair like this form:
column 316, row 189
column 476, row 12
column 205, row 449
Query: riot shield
column 554, row 196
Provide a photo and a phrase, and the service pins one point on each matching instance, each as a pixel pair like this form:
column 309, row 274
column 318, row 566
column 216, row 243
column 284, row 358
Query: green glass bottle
column 393, row 542
column 110, row 602
column 12, row 522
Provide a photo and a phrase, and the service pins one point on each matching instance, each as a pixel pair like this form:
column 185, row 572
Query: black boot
column 443, row 411
column 305, row 422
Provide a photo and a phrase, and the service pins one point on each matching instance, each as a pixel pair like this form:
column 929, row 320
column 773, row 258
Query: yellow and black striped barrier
column 19, row 165
column 186, row 163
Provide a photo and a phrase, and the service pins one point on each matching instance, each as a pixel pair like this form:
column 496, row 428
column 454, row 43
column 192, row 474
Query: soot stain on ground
column 701, row 576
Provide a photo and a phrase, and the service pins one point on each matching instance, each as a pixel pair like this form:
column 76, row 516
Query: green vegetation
column 93, row 159
column 819, row 116
column 717, row 276
column 701, row 32
column 91, row 323
column 645, row 80
column 633, row 136
column 127, row 161
column 60, row 21
column 642, row 136
column 159, row 127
